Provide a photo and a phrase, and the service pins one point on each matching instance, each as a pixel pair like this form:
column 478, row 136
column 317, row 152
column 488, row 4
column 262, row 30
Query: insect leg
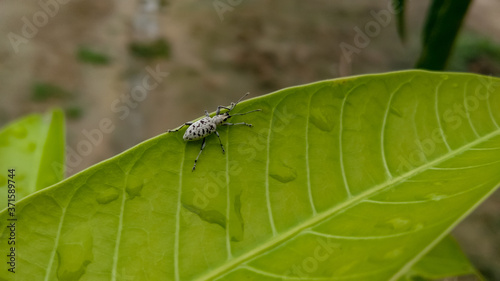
column 196, row 160
column 241, row 123
column 185, row 124
column 221, row 146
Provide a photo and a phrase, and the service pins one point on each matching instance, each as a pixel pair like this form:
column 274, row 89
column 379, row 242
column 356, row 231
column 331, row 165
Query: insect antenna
column 246, row 112
column 242, row 98
column 233, row 104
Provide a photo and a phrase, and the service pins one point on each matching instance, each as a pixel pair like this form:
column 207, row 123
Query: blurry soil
column 257, row 46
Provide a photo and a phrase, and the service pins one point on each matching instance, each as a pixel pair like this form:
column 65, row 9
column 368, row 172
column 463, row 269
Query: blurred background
column 150, row 65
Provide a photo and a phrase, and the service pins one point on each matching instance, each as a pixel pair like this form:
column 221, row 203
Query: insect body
column 202, row 128
column 208, row 125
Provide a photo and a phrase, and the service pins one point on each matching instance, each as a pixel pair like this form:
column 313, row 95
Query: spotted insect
column 208, row 125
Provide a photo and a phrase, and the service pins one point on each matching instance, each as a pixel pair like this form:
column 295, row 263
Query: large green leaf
column 34, row 147
column 354, row 178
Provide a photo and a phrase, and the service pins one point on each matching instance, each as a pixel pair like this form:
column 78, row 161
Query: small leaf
column 34, row 147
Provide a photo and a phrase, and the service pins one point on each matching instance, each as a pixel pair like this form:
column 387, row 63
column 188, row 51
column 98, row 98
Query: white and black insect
column 208, row 125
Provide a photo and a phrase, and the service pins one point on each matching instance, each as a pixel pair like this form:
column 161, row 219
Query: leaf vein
column 177, row 220
column 308, row 169
column 282, row 277
column 490, row 110
column 465, row 167
column 119, row 231
column 268, row 195
column 341, row 149
column 384, row 127
column 277, row 240
column 228, row 202
column 56, row 244
column 440, row 237
column 436, row 109
column 467, row 113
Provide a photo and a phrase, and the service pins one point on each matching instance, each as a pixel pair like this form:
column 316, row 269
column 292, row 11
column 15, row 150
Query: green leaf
column 34, row 147
column 355, row 178
column 445, row 260
column 443, row 23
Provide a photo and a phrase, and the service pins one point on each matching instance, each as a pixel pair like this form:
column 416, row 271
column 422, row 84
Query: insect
column 208, row 125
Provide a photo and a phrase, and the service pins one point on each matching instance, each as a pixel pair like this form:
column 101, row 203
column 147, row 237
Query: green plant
column 90, row 56
column 155, row 49
column 42, row 91
column 357, row 178
column 442, row 26
column 34, row 146
column 474, row 53
column 73, row 111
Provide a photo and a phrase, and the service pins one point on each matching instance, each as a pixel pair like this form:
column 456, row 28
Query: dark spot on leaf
column 323, row 118
column 237, row 227
column 107, row 195
column 210, row 216
column 133, row 190
column 283, row 173
column 396, row 112
column 74, row 253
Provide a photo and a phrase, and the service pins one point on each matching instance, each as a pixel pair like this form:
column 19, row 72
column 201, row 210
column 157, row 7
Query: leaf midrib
column 320, row 217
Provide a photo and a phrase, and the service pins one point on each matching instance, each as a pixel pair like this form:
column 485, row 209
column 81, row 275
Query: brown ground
column 259, row 47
